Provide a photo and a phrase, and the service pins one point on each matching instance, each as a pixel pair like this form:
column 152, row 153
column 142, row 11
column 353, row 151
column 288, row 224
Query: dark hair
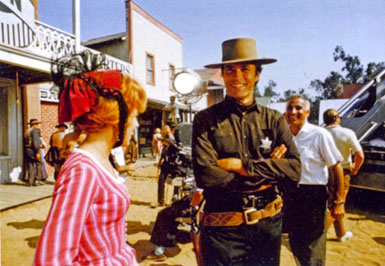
column 258, row 67
column 330, row 116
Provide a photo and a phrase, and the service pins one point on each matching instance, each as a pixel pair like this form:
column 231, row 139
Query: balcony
column 28, row 49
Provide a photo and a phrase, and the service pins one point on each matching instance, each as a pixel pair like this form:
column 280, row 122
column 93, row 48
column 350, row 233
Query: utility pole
column 76, row 23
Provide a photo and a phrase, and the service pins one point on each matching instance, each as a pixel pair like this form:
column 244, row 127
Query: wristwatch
column 338, row 202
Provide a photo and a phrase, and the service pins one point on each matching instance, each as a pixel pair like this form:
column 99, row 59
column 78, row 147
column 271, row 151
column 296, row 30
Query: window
column 150, row 70
column 171, row 77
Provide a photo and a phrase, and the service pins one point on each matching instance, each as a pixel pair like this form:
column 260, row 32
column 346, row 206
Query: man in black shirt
column 32, row 144
column 244, row 158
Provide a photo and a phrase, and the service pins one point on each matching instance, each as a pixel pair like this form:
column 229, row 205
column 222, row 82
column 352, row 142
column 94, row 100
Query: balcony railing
column 56, row 43
column 50, row 43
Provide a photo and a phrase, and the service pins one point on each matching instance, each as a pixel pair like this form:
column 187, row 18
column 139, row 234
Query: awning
column 159, row 104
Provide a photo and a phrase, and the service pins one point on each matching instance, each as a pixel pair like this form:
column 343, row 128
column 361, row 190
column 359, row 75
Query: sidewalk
column 19, row 193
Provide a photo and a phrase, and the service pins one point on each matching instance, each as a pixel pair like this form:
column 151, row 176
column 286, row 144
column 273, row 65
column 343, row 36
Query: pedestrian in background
column 171, row 112
column 157, row 144
column 72, row 140
column 307, row 208
column 347, row 143
column 131, row 152
column 162, row 171
column 86, row 223
column 32, row 156
column 53, row 156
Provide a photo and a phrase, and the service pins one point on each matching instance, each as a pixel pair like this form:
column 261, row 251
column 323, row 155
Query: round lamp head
column 186, row 82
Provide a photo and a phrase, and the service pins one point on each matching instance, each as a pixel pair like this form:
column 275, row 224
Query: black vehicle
column 177, row 161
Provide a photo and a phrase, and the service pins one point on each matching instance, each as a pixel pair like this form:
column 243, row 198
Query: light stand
column 187, row 84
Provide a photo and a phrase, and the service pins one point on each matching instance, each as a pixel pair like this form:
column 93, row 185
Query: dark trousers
column 258, row 244
column 161, row 183
column 165, row 222
column 34, row 170
column 57, row 167
column 307, row 226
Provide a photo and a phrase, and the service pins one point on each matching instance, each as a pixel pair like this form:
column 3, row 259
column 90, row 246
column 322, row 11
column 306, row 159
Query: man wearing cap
column 56, row 144
column 347, row 143
column 238, row 161
column 32, row 144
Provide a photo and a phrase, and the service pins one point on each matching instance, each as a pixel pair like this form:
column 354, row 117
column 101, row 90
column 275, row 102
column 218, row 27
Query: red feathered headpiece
column 80, row 92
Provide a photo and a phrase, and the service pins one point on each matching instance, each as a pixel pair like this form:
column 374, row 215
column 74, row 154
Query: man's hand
column 338, row 211
column 233, row 165
column 38, row 157
column 279, row 152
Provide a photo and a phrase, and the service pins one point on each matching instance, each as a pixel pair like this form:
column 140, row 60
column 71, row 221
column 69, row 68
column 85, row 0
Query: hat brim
column 34, row 123
column 261, row 61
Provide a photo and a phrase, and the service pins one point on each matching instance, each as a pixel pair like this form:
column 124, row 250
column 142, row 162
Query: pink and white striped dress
column 86, row 223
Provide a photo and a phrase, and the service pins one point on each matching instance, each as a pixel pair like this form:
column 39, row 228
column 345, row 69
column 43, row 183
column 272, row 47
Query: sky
column 300, row 34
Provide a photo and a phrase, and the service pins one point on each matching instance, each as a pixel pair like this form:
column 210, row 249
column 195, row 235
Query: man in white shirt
column 347, row 143
column 308, row 204
column 172, row 111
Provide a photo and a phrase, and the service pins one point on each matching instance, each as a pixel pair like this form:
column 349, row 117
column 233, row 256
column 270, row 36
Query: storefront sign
column 47, row 95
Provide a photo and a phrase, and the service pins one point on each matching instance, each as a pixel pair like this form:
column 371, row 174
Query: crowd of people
column 258, row 171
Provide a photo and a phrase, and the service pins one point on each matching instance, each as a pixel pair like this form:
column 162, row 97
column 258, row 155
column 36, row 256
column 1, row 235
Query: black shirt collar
column 234, row 107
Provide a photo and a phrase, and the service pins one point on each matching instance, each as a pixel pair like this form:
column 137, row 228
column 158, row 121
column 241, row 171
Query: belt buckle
column 246, row 213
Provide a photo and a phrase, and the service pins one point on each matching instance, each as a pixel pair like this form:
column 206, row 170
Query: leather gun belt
column 249, row 216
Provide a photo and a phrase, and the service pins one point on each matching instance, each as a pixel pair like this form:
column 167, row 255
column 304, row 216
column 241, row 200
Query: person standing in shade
column 347, row 143
column 32, row 156
column 308, row 204
column 56, row 144
column 72, row 140
column 234, row 156
column 163, row 168
column 157, row 144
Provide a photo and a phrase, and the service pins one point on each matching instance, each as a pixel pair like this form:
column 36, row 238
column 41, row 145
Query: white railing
column 51, row 42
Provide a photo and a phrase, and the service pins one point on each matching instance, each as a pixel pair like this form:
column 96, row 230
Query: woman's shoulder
column 78, row 161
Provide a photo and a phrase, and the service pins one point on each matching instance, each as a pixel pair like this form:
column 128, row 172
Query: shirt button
column 246, row 155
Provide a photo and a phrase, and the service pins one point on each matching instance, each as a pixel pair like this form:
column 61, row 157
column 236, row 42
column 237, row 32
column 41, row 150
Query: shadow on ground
column 31, row 224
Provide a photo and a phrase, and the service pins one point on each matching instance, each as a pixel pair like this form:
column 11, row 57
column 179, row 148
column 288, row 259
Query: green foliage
column 270, row 91
column 352, row 72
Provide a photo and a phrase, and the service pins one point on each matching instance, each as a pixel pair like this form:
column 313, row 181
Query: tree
column 352, row 72
column 270, row 91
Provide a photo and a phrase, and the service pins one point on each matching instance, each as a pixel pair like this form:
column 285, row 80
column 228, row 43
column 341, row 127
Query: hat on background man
column 33, row 121
column 240, row 50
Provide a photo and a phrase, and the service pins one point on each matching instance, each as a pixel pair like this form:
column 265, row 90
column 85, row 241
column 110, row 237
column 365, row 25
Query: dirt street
column 21, row 228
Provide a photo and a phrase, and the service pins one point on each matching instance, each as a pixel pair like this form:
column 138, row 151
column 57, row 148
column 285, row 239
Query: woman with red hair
column 86, row 222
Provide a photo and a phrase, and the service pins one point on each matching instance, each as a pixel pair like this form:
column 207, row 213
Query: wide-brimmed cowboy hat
column 240, row 50
column 34, row 121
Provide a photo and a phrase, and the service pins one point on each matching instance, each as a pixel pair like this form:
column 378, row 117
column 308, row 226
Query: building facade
column 156, row 54
column 27, row 47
